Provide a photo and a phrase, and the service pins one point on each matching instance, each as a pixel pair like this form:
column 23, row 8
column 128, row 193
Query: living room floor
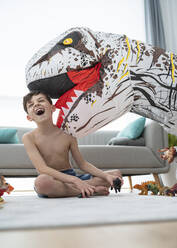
column 154, row 235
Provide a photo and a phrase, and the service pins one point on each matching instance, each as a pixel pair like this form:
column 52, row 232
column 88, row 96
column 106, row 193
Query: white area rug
column 23, row 212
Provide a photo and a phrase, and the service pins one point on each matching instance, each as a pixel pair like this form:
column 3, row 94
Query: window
column 27, row 25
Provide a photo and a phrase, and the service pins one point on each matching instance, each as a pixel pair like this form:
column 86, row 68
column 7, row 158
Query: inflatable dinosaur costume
column 99, row 76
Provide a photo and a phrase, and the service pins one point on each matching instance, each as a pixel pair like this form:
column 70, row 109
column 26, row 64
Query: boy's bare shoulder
column 69, row 137
column 29, row 135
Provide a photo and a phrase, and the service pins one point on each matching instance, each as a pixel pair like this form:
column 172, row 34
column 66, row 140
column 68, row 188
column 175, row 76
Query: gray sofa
column 131, row 160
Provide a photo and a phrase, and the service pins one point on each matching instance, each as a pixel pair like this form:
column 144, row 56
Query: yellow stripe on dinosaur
column 128, row 44
column 93, row 103
column 124, row 69
column 105, row 50
column 120, row 64
column 124, row 75
column 138, row 54
column 173, row 68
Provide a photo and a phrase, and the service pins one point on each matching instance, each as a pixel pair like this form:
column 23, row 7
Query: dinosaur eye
column 67, row 41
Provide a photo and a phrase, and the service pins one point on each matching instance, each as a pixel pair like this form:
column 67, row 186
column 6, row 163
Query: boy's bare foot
column 101, row 190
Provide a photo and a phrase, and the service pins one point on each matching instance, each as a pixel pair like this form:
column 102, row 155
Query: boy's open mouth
column 40, row 111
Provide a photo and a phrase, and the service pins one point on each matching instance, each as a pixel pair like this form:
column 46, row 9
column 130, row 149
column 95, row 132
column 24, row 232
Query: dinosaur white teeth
column 78, row 92
column 65, row 111
column 69, row 104
column 73, row 98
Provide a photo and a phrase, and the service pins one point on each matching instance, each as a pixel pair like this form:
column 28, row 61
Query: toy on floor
column 100, row 76
column 171, row 191
column 143, row 187
column 4, row 187
column 168, row 154
column 155, row 189
column 116, row 185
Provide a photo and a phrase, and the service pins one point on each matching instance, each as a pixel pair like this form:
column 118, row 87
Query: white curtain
column 169, row 19
column 160, row 23
column 153, row 23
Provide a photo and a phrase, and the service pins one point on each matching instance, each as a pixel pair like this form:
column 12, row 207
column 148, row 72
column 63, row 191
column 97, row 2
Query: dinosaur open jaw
column 53, row 86
column 56, row 86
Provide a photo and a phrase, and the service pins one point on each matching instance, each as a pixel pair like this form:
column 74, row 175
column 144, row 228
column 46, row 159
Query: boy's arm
column 86, row 166
column 41, row 166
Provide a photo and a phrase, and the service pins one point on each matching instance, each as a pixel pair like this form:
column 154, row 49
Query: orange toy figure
column 4, row 187
column 169, row 154
column 143, row 187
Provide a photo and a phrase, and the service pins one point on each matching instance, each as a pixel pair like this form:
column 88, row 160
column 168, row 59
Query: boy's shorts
column 72, row 173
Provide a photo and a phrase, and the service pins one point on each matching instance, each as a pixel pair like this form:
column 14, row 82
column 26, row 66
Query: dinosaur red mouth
column 83, row 80
column 56, row 86
column 88, row 76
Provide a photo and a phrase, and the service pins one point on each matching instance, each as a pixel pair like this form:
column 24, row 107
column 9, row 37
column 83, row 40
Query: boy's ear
column 29, row 118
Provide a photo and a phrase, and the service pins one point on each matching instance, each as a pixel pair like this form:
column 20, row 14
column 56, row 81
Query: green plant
column 172, row 140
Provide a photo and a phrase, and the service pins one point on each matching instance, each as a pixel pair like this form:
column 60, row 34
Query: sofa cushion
column 8, row 136
column 134, row 129
column 122, row 141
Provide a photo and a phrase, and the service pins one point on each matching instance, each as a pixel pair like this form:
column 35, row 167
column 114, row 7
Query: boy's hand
column 110, row 179
column 85, row 189
column 169, row 154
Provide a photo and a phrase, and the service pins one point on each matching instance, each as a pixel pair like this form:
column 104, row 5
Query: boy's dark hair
column 28, row 97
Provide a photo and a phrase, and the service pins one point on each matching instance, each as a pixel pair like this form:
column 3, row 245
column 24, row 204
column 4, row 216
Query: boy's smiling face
column 39, row 108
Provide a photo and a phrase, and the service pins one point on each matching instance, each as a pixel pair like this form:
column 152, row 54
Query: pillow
column 8, row 136
column 134, row 129
column 123, row 141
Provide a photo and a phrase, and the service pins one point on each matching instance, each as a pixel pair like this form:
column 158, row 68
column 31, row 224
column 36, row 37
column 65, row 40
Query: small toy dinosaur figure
column 4, row 187
column 168, row 154
column 116, row 185
column 144, row 187
column 156, row 189
column 153, row 188
column 162, row 190
column 171, row 191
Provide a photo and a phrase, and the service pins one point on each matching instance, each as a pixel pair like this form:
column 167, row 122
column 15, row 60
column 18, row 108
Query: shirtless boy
column 48, row 148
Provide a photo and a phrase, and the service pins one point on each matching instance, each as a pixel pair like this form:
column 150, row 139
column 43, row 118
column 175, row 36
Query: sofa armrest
column 14, row 156
column 155, row 137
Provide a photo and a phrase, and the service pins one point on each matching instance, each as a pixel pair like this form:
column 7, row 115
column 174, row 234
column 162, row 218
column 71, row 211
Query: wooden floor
column 151, row 235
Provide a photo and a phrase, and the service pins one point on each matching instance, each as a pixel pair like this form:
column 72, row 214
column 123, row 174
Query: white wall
column 27, row 25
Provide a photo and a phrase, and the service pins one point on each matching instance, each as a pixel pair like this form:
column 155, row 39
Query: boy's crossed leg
column 47, row 186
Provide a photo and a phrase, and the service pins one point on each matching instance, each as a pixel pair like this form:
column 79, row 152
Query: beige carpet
column 23, row 212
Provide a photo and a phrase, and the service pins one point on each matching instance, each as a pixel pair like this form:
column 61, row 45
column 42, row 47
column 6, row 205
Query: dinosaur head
column 4, row 186
column 137, row 186
column 74, row 50
column 86, row 71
